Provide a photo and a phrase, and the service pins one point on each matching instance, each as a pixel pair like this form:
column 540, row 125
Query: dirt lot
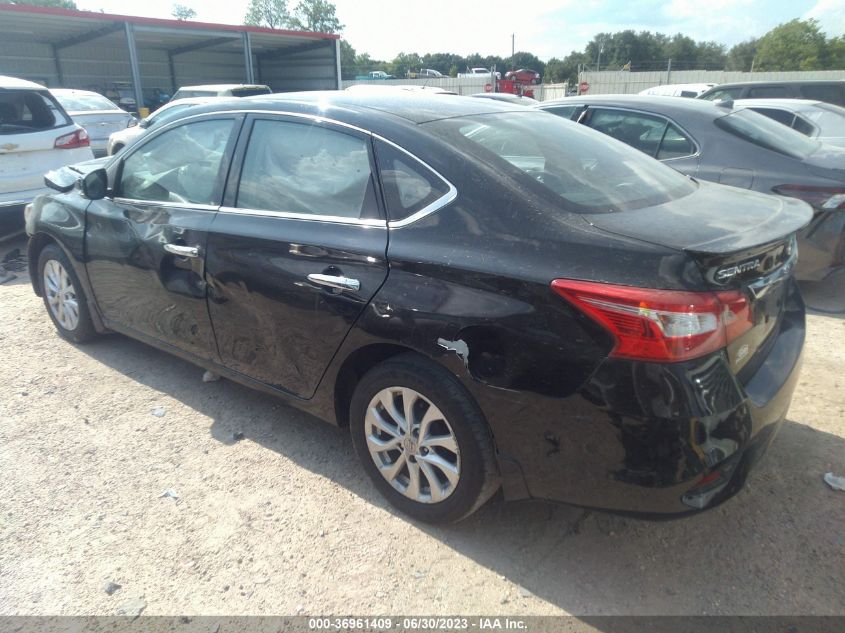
column 283, row 521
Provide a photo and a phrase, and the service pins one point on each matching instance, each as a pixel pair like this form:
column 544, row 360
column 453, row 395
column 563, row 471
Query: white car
column 677, row 90
column 819, row 120
column 120, row 139
column 36, row 135
column 99, row 116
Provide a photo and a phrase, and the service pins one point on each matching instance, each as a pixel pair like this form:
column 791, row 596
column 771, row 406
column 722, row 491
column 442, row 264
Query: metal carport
column 88, row 50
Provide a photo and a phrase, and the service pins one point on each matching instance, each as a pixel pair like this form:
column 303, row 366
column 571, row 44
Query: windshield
column 85, row 103
column 164, row 115
column 591, row 172
column 829, row 118
column 763, row 131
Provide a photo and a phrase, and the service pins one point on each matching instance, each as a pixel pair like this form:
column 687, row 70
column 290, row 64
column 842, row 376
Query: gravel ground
column 271, row 513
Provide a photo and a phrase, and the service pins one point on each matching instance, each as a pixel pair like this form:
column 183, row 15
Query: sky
column 547, row 28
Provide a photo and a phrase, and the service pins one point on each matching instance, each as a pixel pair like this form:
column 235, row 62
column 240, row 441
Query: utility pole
column 513, row 50
column 669, row 71
column 601, row 50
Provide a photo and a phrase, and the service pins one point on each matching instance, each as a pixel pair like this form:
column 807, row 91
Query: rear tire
column 63, row 296
column 440, row 467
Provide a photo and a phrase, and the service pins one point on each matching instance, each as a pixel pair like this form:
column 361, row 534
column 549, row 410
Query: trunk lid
column 740, row 240
column 100, row 125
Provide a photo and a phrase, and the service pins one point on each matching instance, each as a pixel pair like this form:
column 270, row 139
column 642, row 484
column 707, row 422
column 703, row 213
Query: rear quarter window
column 23, row 111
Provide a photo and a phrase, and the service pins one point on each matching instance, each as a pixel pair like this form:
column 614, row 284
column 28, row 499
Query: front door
column 146, row 244
column 297, row 251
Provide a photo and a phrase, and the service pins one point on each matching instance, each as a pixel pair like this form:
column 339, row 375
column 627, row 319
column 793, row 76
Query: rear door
column 146, row 244
column 297, row 251
column 652, row 134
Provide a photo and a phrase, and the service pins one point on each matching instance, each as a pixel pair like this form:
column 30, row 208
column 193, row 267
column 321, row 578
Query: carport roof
column 63, row 28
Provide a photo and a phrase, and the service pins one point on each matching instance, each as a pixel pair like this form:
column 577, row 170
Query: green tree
column 794, row 45
column 56, row 4
column 742, row 55
column 271, row 13
column 566, row 69
column 182, row 12
column 403, row 63
column 316, row 15
column 522, row 59
column 710, row 56
column 347, row 60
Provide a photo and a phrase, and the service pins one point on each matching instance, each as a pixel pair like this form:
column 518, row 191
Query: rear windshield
column 589, row 171
column 763, row 131
column 249, row 92
column 85, row 103
column 829, row 118
column 24, row 111
column 189, row 94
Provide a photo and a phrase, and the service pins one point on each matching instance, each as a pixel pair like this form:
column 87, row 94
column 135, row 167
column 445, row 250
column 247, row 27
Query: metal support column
column 337, row 63
column 133, row 64
column 58, row 62
column 250, row 74
column 172, row 67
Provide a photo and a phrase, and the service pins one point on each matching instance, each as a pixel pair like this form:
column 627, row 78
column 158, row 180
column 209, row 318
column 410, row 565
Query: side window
column 781, row 116
column 563, row 111
column 306, row 168
column 823, row 92
column 641, row 131
column 180, row 165
column 409, row 187
column 769, row 92
column 723, row 95
column 675, row 144
column 804, row 126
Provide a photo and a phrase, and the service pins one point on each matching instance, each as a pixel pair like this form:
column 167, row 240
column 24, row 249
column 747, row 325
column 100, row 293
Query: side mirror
column 95, row 184
column 144, row 124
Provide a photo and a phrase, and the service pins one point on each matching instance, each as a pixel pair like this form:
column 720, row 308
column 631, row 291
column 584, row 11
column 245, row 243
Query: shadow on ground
column 782, row 533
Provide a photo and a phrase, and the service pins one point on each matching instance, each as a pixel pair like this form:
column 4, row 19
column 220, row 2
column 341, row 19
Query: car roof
column 369, row 105
column 793, row 105
column 73, row 91
column 779, row 82
column 664, row 105
column 219, row 87
column 14, row 82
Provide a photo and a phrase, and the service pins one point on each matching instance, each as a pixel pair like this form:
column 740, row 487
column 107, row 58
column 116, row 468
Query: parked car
column 480, row 72
column 123, row 94
column 425, row 73
column 221, row 90
column 816, row 90
column 118, row 140
column 376, row 75
column 732, row 146
column 99, row 116
column 507, row 97
column 36, row 135
column 523, row 75
column 486, row 295
column 677, row 90
column 824, row 122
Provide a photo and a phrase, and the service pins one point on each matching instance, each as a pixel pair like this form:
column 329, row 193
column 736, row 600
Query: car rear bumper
column 654, row 440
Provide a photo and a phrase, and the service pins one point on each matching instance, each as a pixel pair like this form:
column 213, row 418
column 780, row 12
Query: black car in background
column 481, row 307
column 814, row 89
column 732, row 146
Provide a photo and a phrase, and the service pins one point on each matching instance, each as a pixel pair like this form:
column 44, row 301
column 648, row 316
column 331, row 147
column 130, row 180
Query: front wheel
column 422, row 440
column 63, row 296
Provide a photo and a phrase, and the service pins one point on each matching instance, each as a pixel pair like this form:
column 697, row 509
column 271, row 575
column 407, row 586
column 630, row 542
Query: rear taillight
column 818, row 197
column 660, row 325
column 77, row 138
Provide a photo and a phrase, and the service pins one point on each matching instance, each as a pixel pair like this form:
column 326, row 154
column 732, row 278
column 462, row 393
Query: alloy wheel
column 61, row 295
column 412, row 445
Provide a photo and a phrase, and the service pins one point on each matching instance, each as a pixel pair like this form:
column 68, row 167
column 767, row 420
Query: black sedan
column 734, row 147
column 487, row 296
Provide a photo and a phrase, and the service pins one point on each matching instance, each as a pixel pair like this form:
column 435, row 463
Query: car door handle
column 182, row 251
column 332, row 281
